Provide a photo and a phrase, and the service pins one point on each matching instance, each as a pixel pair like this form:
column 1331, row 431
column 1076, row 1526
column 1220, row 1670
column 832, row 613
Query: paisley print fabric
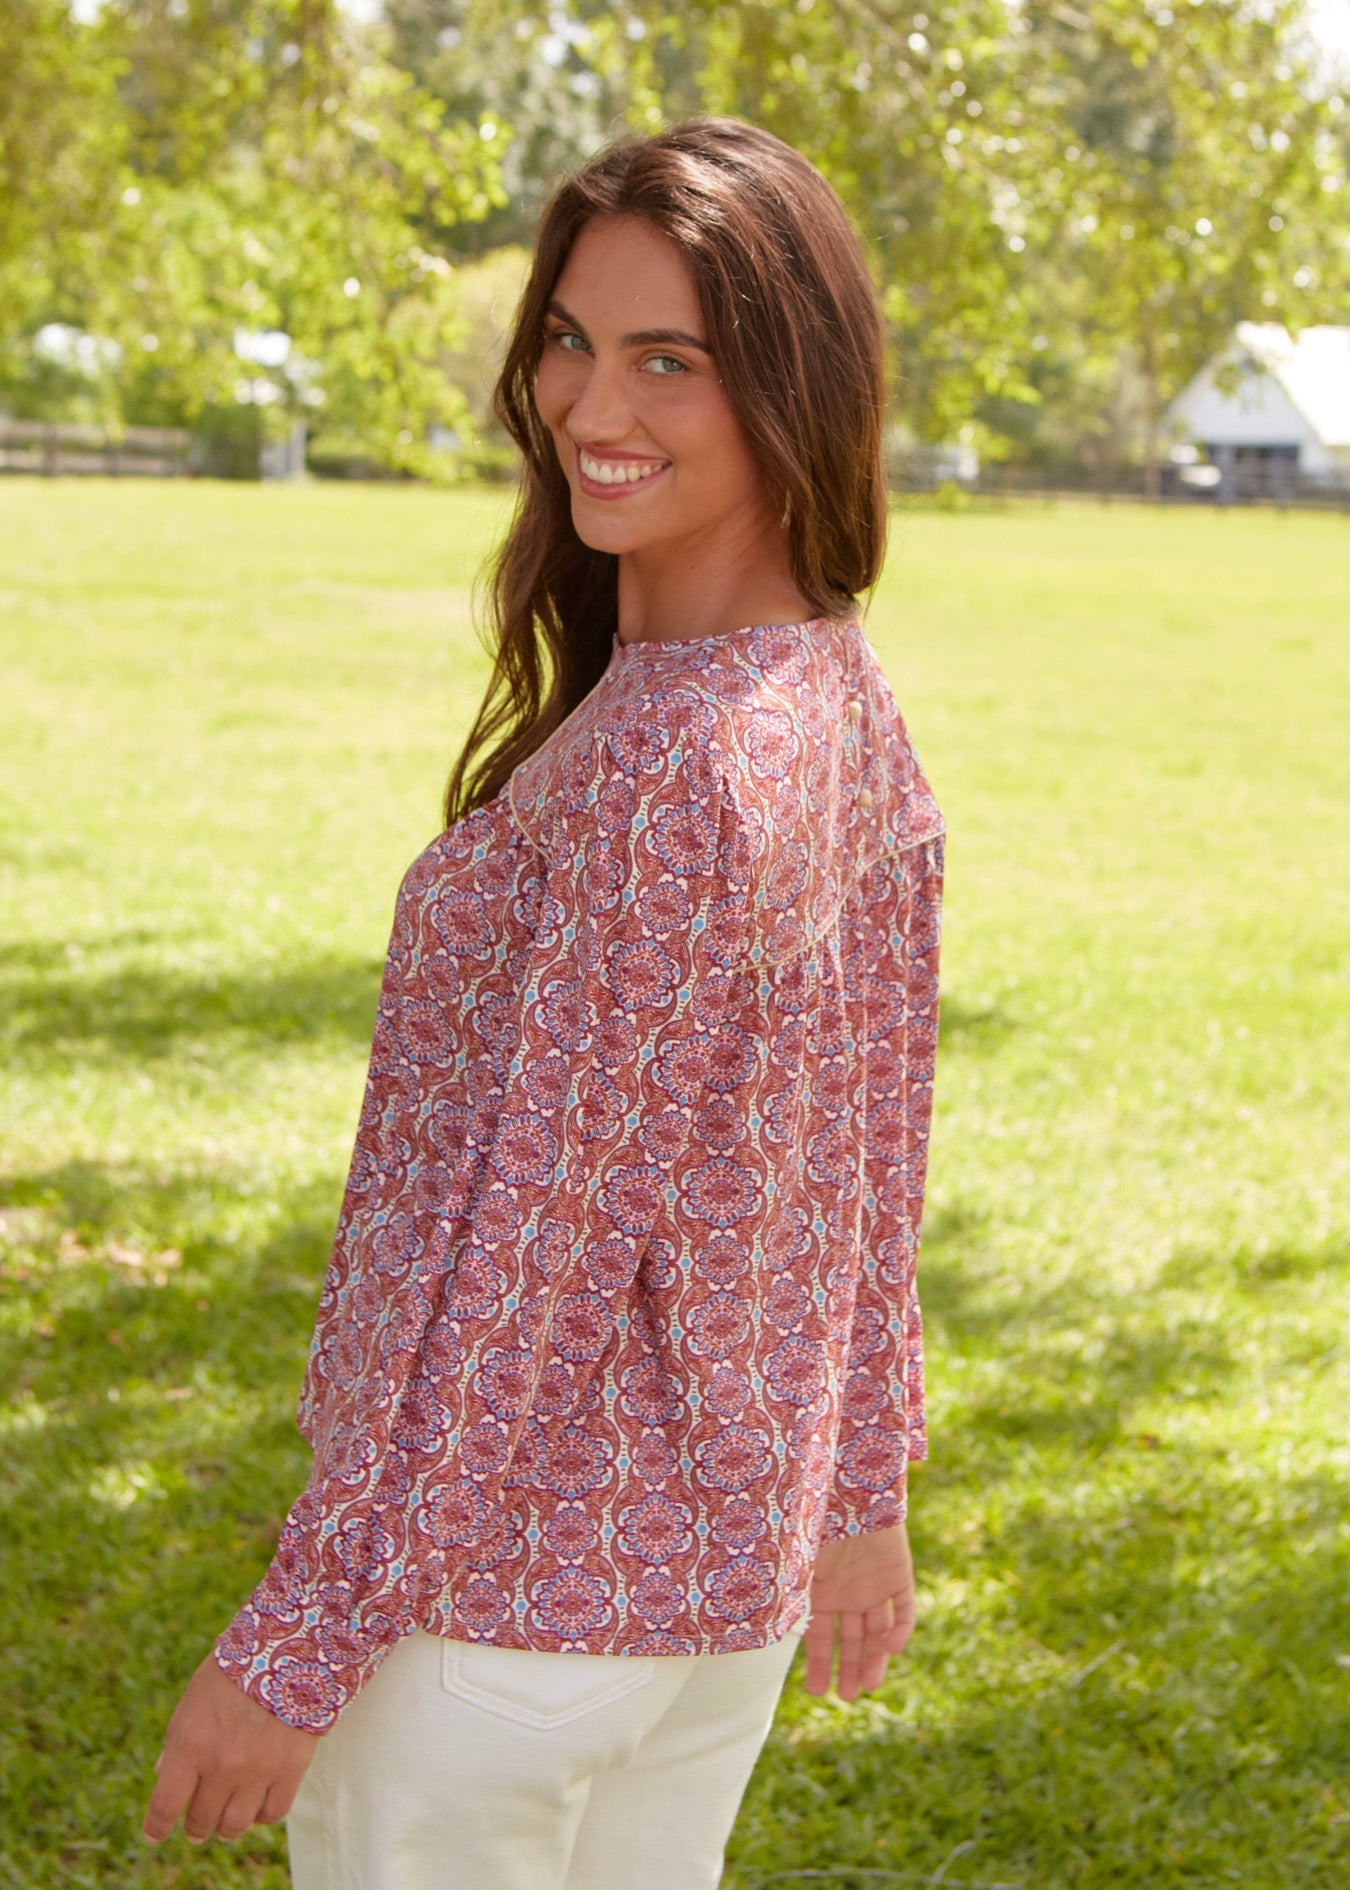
column 620, row 1321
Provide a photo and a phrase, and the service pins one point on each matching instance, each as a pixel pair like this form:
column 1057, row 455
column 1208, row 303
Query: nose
column 601, row 413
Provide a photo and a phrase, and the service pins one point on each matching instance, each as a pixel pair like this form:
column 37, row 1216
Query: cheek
column 708, row 440
column 553, row 390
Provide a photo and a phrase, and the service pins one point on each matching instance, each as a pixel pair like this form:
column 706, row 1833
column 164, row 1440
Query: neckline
column 719, row 637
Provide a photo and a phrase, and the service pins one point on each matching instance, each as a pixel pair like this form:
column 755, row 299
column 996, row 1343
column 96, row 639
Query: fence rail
column 1232, row 489
column 58, row 446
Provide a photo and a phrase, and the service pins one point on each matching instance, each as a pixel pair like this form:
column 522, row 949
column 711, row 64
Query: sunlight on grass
column 233, row 711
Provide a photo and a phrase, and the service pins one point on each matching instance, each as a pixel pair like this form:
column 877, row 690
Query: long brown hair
column 796, row 334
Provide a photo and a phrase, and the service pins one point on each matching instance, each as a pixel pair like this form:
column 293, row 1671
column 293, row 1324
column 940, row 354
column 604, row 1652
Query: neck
column 739, row 575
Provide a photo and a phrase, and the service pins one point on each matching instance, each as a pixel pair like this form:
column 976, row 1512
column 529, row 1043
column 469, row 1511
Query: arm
column 864, row 1578
column 625, row 970
column 882, row 1426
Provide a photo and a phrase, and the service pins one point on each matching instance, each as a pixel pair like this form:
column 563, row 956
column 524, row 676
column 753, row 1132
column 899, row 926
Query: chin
column 611, row 534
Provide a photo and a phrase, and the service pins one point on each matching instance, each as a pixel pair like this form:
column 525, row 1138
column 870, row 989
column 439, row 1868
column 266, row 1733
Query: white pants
column 465, row 1767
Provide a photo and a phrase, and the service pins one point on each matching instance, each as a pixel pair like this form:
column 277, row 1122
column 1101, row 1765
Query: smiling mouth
column 611, row 478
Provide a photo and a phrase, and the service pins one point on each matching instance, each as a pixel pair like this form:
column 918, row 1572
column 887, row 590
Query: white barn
column 1287, row 416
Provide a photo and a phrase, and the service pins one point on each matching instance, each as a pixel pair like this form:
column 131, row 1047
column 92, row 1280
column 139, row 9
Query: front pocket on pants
column 539, row 1690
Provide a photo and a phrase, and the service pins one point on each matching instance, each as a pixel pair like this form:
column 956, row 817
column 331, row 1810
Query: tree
column 912, row 114
column 994, row 155
column 1067, row 203
column 1201, row 159
column 62, row 140
column 272, row 169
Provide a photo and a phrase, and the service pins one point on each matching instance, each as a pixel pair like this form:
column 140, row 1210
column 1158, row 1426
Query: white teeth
column 608, row 472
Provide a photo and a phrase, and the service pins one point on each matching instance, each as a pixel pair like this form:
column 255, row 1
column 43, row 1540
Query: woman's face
column 629, row 391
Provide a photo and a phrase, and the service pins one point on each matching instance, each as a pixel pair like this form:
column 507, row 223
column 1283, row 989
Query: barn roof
column 1313, row 369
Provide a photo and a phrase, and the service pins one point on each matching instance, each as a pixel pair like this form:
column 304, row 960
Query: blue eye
column 672, row 360
column 561, row 336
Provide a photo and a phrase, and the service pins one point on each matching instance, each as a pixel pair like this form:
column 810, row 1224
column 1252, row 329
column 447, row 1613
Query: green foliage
column 1068, row 205
column 237, row 707
column 275, row 171
column 1198, row 186
column 61, row 146
column 860, row 89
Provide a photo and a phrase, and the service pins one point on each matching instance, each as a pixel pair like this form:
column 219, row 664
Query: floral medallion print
column 620, row 1319
column 721, row 1192
column 571, row 1604
column 575, row 1463
column 740, row 1589
column 796, row 1371
column 571, row 1533
column 741, row 1524
column 722, row 1259
column 732, row 1460
column 456, row 1513
column 729, row 1392
column 659, row 1599
column 719, row 1326
column 655, row 1529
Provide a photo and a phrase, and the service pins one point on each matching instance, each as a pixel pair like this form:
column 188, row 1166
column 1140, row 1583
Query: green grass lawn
column 228, row 713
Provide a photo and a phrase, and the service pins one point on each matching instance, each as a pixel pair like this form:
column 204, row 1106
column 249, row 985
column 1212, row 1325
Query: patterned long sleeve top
column 620, row 1320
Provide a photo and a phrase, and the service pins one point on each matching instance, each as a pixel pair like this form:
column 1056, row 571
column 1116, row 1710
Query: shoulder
column 643, row 735
column 751, row 707
column 784, row 740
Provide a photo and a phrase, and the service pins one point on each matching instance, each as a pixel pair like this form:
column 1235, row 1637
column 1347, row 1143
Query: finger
column 890, row 1636
column 896, row 1639
column 240, row 1812
column 905, row 1614
column 203, row 1814
column 866, row 1651
column 280, row 1794
column 852, row 1632
column 873, row 1667
column 174, row 1787
column 277, row 1804
column 819, row 1641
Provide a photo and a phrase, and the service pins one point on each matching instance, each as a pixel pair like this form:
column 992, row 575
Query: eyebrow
column 643, row 338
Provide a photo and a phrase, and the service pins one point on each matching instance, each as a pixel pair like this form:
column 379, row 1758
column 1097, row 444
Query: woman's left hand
column 865, row 1584
column 227, row 1763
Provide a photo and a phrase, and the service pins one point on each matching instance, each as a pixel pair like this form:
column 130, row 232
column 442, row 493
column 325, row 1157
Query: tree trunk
column 1152, row 464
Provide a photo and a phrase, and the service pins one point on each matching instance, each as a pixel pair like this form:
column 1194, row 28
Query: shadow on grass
column 1130, row 1668
column 1150, row 1694
column 978, row 1029
column 1157, row 1710
column 154, row 1339
column 138, row 1013
column 1078, row 1357
column 34, row 956
column 1255, row 1269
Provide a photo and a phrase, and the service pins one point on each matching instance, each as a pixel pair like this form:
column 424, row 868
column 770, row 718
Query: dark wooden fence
column 51, row 446
column 1234, row 487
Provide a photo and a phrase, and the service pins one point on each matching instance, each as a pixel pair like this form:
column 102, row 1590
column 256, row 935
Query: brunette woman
column 617, row 1370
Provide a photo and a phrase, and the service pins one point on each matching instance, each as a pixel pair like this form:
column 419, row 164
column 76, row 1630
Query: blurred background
column 256, row 261
column 291, row 232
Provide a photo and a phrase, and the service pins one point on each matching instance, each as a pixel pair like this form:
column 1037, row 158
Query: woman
column 617, row 1367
